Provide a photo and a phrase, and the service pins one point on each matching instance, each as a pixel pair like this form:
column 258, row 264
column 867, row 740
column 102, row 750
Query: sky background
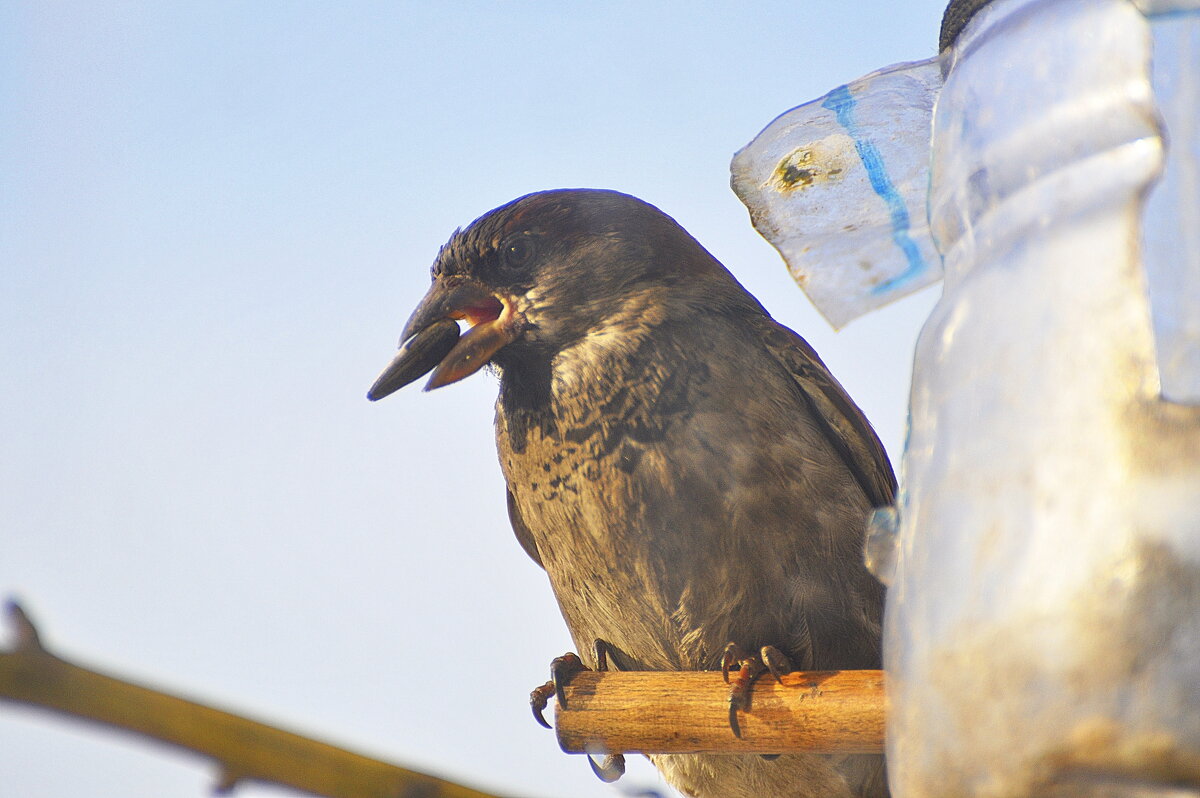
column 214, row 220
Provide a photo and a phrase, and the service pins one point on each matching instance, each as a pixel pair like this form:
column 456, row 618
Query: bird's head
column 536, row 275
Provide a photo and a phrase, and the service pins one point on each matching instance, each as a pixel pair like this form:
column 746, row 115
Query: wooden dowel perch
column 658, row 713
column 611, row 712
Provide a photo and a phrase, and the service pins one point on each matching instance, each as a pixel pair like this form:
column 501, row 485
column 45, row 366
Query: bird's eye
column 517, row 251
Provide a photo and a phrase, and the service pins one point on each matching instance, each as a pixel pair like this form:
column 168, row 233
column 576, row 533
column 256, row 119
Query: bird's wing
column 843, row 422
column 524, row 536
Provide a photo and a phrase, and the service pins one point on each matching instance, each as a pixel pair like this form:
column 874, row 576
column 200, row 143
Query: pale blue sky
column 214, row 220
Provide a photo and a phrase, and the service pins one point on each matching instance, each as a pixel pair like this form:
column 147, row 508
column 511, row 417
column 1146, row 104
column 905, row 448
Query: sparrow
column 693, row 480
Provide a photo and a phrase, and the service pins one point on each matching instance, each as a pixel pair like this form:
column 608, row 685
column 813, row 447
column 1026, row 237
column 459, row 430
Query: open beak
column 431, row 338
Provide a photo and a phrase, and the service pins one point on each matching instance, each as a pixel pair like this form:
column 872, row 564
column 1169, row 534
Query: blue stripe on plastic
column 842, row 103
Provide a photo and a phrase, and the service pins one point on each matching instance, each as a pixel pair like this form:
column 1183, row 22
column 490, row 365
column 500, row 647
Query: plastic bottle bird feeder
column 1043, row 623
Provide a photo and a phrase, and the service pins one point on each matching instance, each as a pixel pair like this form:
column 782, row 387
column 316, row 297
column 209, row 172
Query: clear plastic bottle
column 1043, row 620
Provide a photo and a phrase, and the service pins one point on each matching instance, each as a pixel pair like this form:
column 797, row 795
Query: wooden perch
column 244, row 749
column 612, row 712
column 688, row 713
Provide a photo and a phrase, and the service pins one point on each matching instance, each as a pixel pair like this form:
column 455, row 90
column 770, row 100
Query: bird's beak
column 431, row 341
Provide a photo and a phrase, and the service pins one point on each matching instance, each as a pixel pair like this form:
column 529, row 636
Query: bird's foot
column 746, row 668
column 562, row 670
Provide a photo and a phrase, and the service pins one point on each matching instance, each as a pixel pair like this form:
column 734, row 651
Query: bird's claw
column 746, row 669
column 776, row 661
column 611, row 768
column 539, row 697
column 561, row 670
